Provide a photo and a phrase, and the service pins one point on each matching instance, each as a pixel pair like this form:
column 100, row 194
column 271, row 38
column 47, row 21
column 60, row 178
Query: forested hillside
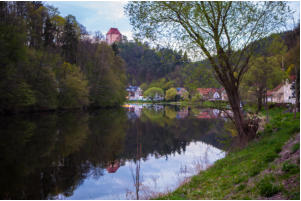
column 281, row 49
column 163, row 67
column 48, row 62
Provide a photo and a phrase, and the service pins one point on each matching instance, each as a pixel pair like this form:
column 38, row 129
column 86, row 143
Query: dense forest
column 49, row 62
column 163, row 67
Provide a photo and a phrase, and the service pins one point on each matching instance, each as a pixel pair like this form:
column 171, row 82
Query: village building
column 281, row 94
column 181, row 92
column 135, row 93
column 212, row 94
column 113, row 36
column 224, row 95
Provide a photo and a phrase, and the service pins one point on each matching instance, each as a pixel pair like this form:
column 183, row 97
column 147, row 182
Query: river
column 134, row 152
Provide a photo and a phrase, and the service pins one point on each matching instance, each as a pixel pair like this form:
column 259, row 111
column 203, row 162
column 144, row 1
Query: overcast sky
column 102, row 15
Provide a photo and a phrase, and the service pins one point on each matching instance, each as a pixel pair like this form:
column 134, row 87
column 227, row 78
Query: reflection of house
column 134, row 93
column 113, row 35
column 113, row 166
column 281, row 94
column 213, row 114
column 134, row 111
column 182, row 113
column 157, row 107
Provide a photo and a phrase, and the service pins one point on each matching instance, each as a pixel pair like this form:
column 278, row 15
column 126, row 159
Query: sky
column 97, row 15
column 102, row 15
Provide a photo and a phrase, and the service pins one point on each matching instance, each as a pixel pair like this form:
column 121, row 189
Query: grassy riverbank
column 267, row 167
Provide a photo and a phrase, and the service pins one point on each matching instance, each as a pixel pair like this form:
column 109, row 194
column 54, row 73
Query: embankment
column 267, row 168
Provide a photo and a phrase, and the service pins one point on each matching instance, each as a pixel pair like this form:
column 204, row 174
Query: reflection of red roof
column 113, row 31
column 112, row 168
column 204, row 115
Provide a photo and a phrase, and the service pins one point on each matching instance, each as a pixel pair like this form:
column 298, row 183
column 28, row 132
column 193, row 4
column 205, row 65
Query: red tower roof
column 113, row 31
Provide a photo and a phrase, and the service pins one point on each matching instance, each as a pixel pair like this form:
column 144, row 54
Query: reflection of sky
column 157, row 174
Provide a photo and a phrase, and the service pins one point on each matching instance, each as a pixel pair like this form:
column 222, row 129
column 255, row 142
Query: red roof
column 205, row 91
column 270, row 92
column 113, row 31
column 292, row 77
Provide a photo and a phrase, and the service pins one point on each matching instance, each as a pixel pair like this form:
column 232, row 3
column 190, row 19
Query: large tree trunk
column 238, row 118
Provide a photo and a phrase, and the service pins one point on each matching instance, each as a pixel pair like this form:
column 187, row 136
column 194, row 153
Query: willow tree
column 222, row 32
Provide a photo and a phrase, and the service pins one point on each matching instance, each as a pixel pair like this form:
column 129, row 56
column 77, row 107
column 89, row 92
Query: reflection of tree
column 43, row 156
column 136, row 176
column 31, row 168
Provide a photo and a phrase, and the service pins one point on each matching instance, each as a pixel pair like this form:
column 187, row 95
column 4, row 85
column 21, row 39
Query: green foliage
column 107, row 82
column 145, row 65
column 74, row 91
column 171, row 94
column 290, row 168
column 197, row 97
column 267, row 188
column 153, row 93
column 34, row 77
column 295, row 147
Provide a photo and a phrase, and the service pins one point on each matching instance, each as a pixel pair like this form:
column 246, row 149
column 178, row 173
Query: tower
column 113, row 35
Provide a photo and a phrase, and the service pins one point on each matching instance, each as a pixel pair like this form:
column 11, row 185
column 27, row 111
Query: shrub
column 295, row 147
column 270, row 157
column 171, row 94
column 267, row 188
column 290, row 168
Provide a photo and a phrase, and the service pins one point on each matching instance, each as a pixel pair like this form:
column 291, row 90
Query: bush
column 270, row 157
column 295, row 147
column 290, row 168
column 171, row 94
column 267, row 188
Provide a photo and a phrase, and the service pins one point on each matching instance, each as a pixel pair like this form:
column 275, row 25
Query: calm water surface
column 130, row 153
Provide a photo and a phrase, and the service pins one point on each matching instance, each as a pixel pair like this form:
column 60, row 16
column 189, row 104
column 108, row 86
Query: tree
column 70, row 40
column 73, row 87
column 171, row 94
column 153, row 93
column 223, row 31
column 264, row 74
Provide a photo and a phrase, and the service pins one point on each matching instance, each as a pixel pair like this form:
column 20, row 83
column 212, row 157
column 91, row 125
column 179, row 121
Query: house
column 206, row 93
column 281, row 94
column 181, row 91
column 134, row 93
column 113, row 36
column 210, row 93
column 224, row 95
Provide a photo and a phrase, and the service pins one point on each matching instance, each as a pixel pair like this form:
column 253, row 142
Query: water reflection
column 131, row 153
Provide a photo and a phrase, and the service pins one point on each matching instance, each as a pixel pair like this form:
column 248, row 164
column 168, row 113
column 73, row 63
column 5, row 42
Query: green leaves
column 153, row 92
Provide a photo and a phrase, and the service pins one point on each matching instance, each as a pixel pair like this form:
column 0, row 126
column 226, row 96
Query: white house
column 135, row 93
column 281, row 94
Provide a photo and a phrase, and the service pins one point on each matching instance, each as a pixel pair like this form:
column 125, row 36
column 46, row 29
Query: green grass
column 296, row 147
column 228, row 178
column 290, row 168
column 266, row 186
